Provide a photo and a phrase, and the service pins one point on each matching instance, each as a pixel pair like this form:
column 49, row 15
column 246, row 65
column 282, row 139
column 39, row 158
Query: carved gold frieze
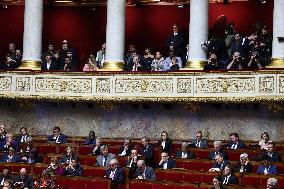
column 144, row 85
column 267, row 84
column 23, row 84
column 65, row 85
column 184, row 85
column 281, row 84
column 103, row 85
column 5, row 83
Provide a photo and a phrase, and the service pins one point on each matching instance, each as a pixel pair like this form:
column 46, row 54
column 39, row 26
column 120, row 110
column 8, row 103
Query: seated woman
column 217, row 183
column 74, row 168
column 244, row 166
column 264, row 139
column 174, row 66
column 10, row 156
column 228, row 176
column 68, row 156
column 45, row 181
column 165, row 143
column 8, row 142
column 54, row 168
column 158, row 62
column 91, row 140
column 148, row 58
column 254, row 62
column 169, row 62
column 267, row 168
column 91, row 64
column 28, row 153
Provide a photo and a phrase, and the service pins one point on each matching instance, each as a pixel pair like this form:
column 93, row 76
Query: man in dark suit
column 267, row 168
column 271, row 154
column 49, row 63
column 199, row 142
column 219, row 164
column 23, row 137
column 147, row 152
column 144, row 172
column 115, row 173
column 11, row 156
column 131, row 162
column 184, row 152
column 57, row 136
column 235, row 142
column 125, row 150
column 165, row 162
column 217, row 150
column 175, row 42
column 5, row 177
column 228, row 176
column 244, row 166
column 104, row 159
column 74, row 168
column 24, row 180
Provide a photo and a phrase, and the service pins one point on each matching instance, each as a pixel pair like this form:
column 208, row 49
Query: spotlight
column 180, row 6
column 262, row 1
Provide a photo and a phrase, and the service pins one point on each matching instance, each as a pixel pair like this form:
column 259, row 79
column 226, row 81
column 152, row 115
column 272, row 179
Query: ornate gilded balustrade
column 261, row 86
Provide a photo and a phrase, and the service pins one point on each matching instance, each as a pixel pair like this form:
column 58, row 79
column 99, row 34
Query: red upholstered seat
column 88, row 160
column 15, row 167
column 140, row 184
column 161, row 185
column 85, row 150
column 74, row 183
column 160, row 174
column 174, row 176
column 202, row 153
column 114, row 149
column 192, row 177
column 46, row 148
column 62, row 147
column 39, row 168
column 94, row 171
column 98, row 183
column 205, row 186
column 251, row 179
column 185, row 186
column 208, row 177
column 122, row 160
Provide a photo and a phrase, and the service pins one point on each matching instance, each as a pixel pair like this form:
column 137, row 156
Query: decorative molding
column 143, row 87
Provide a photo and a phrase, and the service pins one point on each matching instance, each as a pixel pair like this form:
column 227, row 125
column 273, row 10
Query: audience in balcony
column 158, row 62
column 147, row 152
column 199, row 141
column 212, row 63
column 91, row 64
column 168, row 63
column 235, row 142
column 49, row 63
column 91, row 140
column 271, row 154
column 50, row 50
column 166, row 162
column 96, row 150
column 228, row 176
column 254, row 62
column 237, row 62
column 115, row 173
column 5, row 177
column 174, row 64
column 272, row 183
column 100, row 56
column 217, row 150
column 217, row 184
column 244, row 166
column 24, row 136
column 125, row 150
column 144, row 172
column 135, row 64
column 57, row 136
column 267, row 168
column 184, row 152
column 148, row 57
column 9, row 63
column 68, row 156
column 103, row 160
column 264, row 139
column 54, row 167
column 74, row 168
column 165, row 143
column 219, row 164
column 24, row 180
column 265, row 46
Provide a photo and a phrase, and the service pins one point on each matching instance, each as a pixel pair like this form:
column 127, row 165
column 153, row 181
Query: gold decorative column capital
column 30, row 65
column 276, row 63
column 194, row 65
column 112, row 66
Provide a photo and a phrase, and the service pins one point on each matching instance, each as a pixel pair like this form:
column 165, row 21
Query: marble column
column 115, row 35
column 278, row 31
column 32, row 42
column 198, row 33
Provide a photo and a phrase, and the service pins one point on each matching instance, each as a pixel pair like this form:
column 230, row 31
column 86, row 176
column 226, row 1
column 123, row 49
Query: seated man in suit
column 24, row 136
column 217, row 150
column 57, row 136
column 10, row 156
column 228, row 176
column 9, row 142
column 131, row 162
column 91, row 140
column 74, row 168
column 103, row 160
column 219, row 164
column 147, row 151
column 5, row 177
column 24, row 180
column 272, row 183
column 267, row 168
column 271, row 154
column 165, row 162
column 2, row 133
column 96, row 149
column 199, row 142
column 125, row 150
column 184, row 153
column 115, row 173
column 144, row 172
column 244, row 166
column 235, row 142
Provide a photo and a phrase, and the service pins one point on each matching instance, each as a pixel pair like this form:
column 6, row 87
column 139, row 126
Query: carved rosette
column 184, row 85
column 23, row 84
column 281, row 84
column 5, row 83
column 266, row 84
column 103, row 85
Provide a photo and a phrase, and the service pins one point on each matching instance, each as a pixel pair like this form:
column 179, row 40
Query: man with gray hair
column 115, row 173
column 24, row 180
column 272, row 183
column 125, row 150
column 184, row 153
column 217, row 150
column 104, row 158
column 5, row 176
column 144, row 172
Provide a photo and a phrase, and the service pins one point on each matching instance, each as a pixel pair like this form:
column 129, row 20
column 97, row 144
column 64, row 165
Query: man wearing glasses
column 57, row 136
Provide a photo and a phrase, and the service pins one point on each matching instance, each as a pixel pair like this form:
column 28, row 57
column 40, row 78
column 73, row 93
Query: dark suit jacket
column 177, row 41
column 65, row 158
column 149, row 173
column 220, row 166
column 19, row 138
column 3, row 146
column 170, row 164
column 232, row 180
column 274, row 158
column 212, row 154
column 89, row 141
column 168, row 146
column 78, row 171
column 221, row 187
column 15, row 158
column 118, row 175
column 272, row 170
column 148, row 154
column 53, row 66
column 62, row 139
column 128, row 151
column 247, row 168
column 129, row 67
column 190, row 155
column 203, row 144
column 8, row 177
column 27, row 181
column 241, row 145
